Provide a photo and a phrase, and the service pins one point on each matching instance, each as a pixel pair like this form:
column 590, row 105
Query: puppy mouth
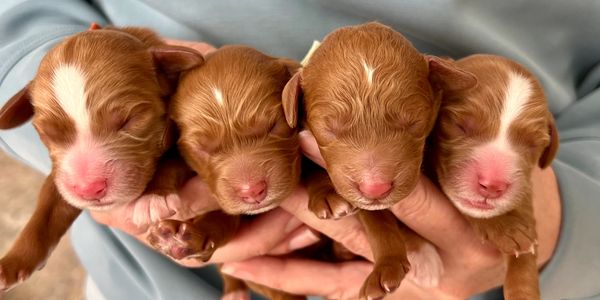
column 483, row 204
column 259, row 208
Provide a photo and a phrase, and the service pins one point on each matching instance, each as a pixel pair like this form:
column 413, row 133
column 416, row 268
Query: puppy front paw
column 152, row 208
column 330, row 205
column 14, row 270
column 512, row 238
column 180, row 240
column 426, row 266
column 385, row 278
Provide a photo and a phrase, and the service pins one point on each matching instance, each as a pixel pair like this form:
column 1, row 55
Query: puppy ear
column 552, row 148
column 444, row 73
column 290, row 99
column 291, row 65
column 17, row 110
column 175, row 59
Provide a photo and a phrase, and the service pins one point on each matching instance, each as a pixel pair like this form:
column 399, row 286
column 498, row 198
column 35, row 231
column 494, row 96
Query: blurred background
column 62, row 277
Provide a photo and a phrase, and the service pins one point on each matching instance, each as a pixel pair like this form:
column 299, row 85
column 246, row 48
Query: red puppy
column 99, row 102
column 487, row 141
column 235, row 136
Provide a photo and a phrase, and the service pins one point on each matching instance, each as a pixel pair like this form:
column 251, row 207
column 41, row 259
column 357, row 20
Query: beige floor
column 63, row 277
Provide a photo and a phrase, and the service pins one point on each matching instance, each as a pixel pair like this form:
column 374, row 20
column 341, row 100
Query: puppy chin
column 108, row 202
column 483, row 209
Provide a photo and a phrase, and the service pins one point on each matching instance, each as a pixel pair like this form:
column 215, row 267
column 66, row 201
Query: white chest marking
column 69, row 89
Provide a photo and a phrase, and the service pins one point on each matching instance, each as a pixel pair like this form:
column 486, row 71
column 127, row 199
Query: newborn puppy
column 98, row 104
column 485, row 146
column 233, row 133
column 370, row 100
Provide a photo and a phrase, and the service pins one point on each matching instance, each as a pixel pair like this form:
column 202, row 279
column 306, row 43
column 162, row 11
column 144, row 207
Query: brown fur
column 243, row 138
column 469, row 118
column 129, row 72
column 379, row 128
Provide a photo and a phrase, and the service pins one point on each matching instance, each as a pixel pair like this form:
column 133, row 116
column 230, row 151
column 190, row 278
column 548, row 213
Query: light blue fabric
column 556, row 39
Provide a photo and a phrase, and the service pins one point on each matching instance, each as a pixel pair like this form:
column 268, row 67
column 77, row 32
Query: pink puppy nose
column 374, row 190
column 491, row 188
column 252, row 192
column 92, row 190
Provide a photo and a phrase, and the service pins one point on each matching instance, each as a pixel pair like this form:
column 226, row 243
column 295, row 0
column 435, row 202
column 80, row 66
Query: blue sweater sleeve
column 28, row 29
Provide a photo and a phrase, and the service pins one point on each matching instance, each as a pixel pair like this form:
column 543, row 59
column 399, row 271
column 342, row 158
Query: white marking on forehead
column 68, row 83
column 518, row 93
column 218, row 95
column 368, row 72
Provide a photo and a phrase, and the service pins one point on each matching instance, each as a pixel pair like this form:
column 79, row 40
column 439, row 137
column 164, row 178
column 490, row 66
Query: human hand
column 470, row 266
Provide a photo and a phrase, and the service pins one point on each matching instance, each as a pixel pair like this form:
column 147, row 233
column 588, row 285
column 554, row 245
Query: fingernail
column 292, row 225
column 233, row 269
column 303, row 239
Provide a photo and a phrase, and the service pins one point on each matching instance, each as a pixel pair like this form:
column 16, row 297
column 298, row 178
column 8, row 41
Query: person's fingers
column 547, row 211
column 203, row 48
column 429, row 213
column 309, row 147
column 348, row 230
column 304, row 277
column 302, row 237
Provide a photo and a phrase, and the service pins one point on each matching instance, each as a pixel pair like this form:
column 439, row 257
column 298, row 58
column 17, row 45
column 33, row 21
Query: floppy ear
column 174, row 59
column 444, row 73
column 290, row 99
column 552, row 148
column 291, row 65
column 17, row 110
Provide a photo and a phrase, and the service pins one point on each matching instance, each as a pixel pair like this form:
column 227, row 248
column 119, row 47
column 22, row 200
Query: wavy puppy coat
column 98, row 104
column 235, row 136
column 487, row 141
column 370, row 99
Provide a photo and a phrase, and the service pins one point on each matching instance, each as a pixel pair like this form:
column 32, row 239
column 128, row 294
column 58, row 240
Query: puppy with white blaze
column 98, row 102
column 487, row 141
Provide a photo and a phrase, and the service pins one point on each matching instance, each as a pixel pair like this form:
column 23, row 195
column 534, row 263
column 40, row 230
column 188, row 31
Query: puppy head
column 97, row 106
column 489, row 138
column 370, row 103
column 233, row 130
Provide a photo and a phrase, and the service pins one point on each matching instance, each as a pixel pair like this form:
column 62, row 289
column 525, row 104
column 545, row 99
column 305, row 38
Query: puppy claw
column 384, row 279
column 181, row 240
column 330, row 205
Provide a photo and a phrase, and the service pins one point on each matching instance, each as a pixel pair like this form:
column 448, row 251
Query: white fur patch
column 315, row 45
column 218, row 95
column 518, row 93
column 368, row 72
column 69, row 88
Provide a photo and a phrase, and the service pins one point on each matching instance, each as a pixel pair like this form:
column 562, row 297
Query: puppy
column 98, row 104
column 487, row 141
column 234, row 134
column 370, row 100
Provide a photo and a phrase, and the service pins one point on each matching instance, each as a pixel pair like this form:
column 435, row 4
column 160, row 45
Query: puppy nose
column 254, row 192
column 492, row 188
column 375, row 189
column 91, row 190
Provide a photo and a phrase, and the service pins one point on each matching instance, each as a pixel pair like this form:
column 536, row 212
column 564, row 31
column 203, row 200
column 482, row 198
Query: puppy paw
column 330, row 205
column 181, row 240
column 151, row 208
column 236, row 295
column 385, row 278
column 426, row 266
column 513, row 238
column 14, row 270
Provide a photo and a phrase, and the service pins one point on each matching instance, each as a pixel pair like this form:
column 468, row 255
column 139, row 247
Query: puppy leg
column 522, row 278
column 272, row 294
column 51, row 219
column 233, row 288
column 323, row 200
column 160, row 199
column 388, row 245
column 426, row 266
column 195, row 238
